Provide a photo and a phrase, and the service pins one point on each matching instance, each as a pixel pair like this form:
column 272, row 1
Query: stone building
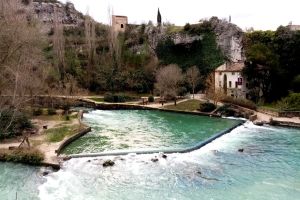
column 294, row 27
column 228, row 78
column 119, row 23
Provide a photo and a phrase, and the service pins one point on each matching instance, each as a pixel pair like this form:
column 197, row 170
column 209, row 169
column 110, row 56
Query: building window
column 122, row 25
column 240, row 81
column 220, row 73
column 220, row 83
column 229, row 84
column 236, row 84
column 233, row 73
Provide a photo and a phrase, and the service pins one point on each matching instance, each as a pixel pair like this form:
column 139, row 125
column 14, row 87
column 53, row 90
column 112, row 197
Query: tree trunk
column 193, row 93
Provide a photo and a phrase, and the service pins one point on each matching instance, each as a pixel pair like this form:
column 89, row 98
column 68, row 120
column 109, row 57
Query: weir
column 171, row 151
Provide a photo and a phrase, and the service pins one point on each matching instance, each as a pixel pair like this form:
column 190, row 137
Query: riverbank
column 91, row 102
column 52, row 149
column 52, row 134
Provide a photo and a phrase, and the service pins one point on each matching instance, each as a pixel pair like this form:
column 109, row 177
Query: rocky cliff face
column 46, row 11
column 229, row 36
column 229, row 39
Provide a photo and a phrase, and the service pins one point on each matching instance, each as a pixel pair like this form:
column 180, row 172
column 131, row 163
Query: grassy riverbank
column 58, row 134
column 189, row 105
column 26, row 156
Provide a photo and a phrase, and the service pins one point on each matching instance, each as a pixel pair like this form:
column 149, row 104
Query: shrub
column 13, row 123
column 66, row 107
column 290, row 103
column 51, row 111
column 67, row 117
column 25, row 2
column 151, row 99
column 240, row 102
column 117, row 98
column 27, row 156
column 226, row 110
column 207, row 107
column 37, row 111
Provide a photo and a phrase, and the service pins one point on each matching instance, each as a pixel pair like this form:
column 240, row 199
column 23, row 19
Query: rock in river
column 108, row 163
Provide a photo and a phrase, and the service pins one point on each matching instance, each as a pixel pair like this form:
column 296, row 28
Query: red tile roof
column 231, row 67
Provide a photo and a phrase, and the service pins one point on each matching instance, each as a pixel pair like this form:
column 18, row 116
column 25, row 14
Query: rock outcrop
column 108, row 163
column 229, row 36
column 47, row 11
column 229, row 39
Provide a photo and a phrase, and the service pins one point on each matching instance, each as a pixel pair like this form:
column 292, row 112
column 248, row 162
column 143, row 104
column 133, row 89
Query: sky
column 259, row 14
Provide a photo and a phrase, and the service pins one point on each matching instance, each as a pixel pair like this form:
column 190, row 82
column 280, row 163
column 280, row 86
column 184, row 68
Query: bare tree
column 168, row 81
column 90, row 39
column 114, row 58
column 193, row 78
column 21, row 61
column 213, row 93
column 59, row 45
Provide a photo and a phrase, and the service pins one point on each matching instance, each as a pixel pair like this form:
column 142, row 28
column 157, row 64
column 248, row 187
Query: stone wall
column 288, row 114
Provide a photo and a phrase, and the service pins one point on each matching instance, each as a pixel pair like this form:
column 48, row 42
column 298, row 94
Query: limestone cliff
column 46, row 11
column 229, row 39
column 229, row 36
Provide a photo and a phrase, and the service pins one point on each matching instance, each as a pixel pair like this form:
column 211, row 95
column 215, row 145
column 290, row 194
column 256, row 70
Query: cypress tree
column 158, row 18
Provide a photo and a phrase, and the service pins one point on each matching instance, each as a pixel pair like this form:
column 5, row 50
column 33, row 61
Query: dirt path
column 158, row 105
column 266, row 117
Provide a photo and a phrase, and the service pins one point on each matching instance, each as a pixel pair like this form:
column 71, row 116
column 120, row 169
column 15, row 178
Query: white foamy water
column 267, row 169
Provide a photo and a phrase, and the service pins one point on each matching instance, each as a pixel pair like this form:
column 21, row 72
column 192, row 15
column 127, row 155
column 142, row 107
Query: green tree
column 260, row 69
column 158, row 18
column 272, row 57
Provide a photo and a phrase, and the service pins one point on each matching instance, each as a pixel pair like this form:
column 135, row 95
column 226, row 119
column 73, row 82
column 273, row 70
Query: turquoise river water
column 269, row 168
column 145, row 130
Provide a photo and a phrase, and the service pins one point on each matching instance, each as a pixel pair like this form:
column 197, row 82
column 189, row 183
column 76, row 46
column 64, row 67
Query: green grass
column 190, row 105
column 58, row 134
column 271, row 108
column 174, row 29
column 55, row 117
column 27, row 156
column 97, row 99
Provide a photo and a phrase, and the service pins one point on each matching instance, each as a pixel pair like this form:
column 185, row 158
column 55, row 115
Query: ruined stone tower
column 119, row 23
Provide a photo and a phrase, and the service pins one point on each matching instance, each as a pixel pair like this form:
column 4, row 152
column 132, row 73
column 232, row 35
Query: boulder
column 241, row 150
column 45, row 173
column 259, row 123
column 108, row 163
column 253, row 117
column 66, row 158
column 154, row 159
